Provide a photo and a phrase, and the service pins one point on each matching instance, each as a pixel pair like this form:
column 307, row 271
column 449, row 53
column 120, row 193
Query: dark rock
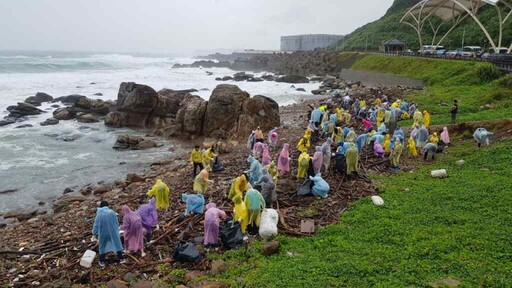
column 218, row 79
column 242, row 76
column 115, row 119
column 102, row 189
column 39, row 98
column 224, row 108
column 258, row 111
column 270, row 248
column 254, row 79
column 316, row 79
column 64, row 113
column 300, row 89
column 318, row 91
column 268, row 77
column 136, row 98
column 98, row 94
column 227, row 78
column 49, row 121
column 21, row 215
column 86, row 118
column 70, row 99
column 132, row 177
column 23, row 126
column 292, row 79
column 8, row 191
column 55, row 106
column 189, row 119
column 65, row 201
column 23, row 109
column 133, row 142
column 41, row 203
column 67, row 190
column 2, row 225
column 7, row 121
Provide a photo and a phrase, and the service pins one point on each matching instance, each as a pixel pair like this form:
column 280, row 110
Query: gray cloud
column 174, row 25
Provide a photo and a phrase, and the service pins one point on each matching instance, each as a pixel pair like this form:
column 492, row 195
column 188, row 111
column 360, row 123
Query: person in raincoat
column 342, row 148
column 283, row 162
column 418, row 118
column 333, row 118
column 239, row 186
column 194, row 203
column 351, row 136
column 411, row 148
column 202, row 181
column 347, row 117
column 368, row 126
column 426, row 118
column 382, row 128
column 429, row 150
column 273, row 137
column 303, row 145
column 208, row 156
column 380, row 116
column 240, row 212
column 378, row 150
column 303, row 165
column 316, row 116
column 377, row 102
column 445, row 136
column 317, row 159
column 161, row 192
column 337, row 136
column 257, row 152
column 258, row 135
column 396, row 152
column 251, row 140
column 106, row 229
column 385, row 145
column 482, row 136
column 399, row 134
column 254, row 171
column 268, row 190
column 265, row 158
column 387, row 117
column 320, row 186
column 433, row 138
column 352, row 157
column 196, row 158
column 255, row 204
column 149, row 217
column 327, row 153
column 378, row 137
column 422, row 137
column 212, row 218
column 361, row 140
column 133, row 231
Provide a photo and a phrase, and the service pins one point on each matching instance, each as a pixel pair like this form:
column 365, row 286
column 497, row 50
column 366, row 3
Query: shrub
column 506, row 82
column 488, row 72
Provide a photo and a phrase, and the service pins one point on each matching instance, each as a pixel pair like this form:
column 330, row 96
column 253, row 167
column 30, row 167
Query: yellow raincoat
column 377, row 102
column 426, row 118
column 411, row 147
column 303, row 165
column 272, row 171
column 196, row 156
column 362, row 104
column 395, row 105
column 380, row 116
column 338, row 136
column 338, row 113
column 405, row 116
column 387, row 141
column 395, row 154
column 434, row 139
column 161, row 193
column 240, row 212
column 208, row 156
column 304, row 144
column 347, row 116
column 239, row 185
column 418, row 118
column 201, row 182
column 352, row 159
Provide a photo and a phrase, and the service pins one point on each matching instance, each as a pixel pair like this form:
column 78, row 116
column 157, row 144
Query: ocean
column 39, row 165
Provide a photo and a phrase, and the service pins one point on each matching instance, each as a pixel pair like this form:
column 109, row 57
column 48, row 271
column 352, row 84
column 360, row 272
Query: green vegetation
column 389, row 27
column 473, row 84
column 457, row 227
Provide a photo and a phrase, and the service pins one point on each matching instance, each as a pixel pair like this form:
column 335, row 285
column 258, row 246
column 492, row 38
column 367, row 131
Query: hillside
column 387, row 27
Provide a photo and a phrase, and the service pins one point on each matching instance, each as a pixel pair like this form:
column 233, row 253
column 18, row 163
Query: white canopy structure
column 454, row 11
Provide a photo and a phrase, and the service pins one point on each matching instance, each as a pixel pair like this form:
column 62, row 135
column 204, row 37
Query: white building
column 308, row 42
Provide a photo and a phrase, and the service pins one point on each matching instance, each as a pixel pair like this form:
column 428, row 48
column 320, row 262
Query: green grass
column 458, row 227
column 473, row 84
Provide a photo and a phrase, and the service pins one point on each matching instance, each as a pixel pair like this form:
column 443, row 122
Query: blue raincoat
column 345, row 131
column 320, row 186
column 481, row 135
column 342, row 148
column 399, row 133
column 333, row 118
column 378, row 138
column 106, row 227
column 361, row 141
column 316, row 115
column 255, row 171
column 195, row 203
column 382, row 128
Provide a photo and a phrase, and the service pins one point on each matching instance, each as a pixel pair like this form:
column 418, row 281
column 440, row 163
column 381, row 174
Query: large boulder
column 38, row 99
column 293, row 79
column 191, row 115
column 224, row 108
column 133, row 142
column 70, row 99
column 115, row 119
column 136, row 98
column 171, row 100
column 258, row 111
column 86, row 118
column 94, row 106
column 64, row 113
column 49, row 121
column 65, row 201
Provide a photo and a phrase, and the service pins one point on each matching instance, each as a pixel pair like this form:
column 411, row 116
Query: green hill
column 372, row 34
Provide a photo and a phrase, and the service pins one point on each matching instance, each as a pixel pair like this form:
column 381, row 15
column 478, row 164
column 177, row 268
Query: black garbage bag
column 341, row 164
column 186, row 252
column 231, row 235
column 217, row 166
column 305, row 188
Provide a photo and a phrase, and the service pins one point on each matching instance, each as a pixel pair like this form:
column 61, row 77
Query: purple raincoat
column 212, row 218
column 317, row 159
column 148, row 215
column 133, row 231
column 266, row 159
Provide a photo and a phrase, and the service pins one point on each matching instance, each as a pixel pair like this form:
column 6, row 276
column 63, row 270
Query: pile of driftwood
column 48, row 250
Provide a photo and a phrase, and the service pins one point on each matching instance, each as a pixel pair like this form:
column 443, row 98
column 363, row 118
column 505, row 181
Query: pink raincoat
column 445, row 136
column 266, row 159
column 212, row 218
column 258, row 150
column 272, row 138
column 317, row 159
column 283, row 162
column 133, row 231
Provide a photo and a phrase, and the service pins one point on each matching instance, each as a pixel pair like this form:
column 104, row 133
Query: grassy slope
column 457, row 227
column 446, row 80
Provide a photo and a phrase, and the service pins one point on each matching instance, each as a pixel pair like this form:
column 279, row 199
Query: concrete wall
column 308, row 42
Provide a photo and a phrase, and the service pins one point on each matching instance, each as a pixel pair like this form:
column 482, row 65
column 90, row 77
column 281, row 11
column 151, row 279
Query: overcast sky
column 170, row 26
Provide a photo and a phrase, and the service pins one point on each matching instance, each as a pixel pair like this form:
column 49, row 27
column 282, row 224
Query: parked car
column 454, row 53
column 502, row 51
column 430, row 49
column 441, row 52
column 469, row 51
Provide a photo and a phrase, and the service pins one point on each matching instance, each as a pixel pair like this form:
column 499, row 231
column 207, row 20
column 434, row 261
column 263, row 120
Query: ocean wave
column 15, row 57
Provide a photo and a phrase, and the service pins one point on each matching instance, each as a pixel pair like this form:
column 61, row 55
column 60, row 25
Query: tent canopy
column 445, row 10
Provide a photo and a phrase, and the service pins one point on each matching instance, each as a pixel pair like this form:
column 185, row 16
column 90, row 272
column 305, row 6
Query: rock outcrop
column 229, row 111
column 38, row 99
column 293, row 79
column 133, row 143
